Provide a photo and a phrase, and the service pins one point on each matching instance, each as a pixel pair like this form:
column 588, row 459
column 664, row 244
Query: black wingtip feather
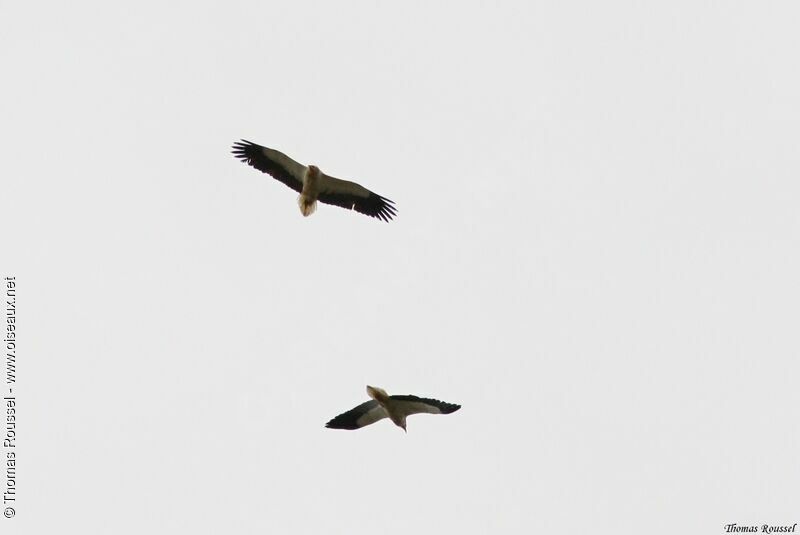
column 378, row 207
column 342, row 423
column 447, row 408
column 241, row 148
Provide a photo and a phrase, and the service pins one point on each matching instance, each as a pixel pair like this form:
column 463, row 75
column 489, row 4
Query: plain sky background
column 596, row 254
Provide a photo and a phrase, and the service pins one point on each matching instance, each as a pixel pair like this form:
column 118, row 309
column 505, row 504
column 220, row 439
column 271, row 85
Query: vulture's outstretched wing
column 355, row 197
column 271, row 161
column 415, row 405
column 367, row 413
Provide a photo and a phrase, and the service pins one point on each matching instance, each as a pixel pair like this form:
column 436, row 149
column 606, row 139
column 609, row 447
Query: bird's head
column 378, row 394
column 313, row 170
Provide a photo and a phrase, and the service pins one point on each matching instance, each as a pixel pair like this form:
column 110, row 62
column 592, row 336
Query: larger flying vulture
column 382, row 405
column 312, row 184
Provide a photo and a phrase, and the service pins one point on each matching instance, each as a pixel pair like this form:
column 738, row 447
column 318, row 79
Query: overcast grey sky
column 596, row 254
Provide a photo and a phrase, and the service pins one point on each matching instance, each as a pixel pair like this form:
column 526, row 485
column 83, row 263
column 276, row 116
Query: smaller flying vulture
column 312, row 184
column 382, row 405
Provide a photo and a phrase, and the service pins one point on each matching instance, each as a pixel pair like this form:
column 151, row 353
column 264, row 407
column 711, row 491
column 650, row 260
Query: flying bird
column 312, row 184
column 382, row 405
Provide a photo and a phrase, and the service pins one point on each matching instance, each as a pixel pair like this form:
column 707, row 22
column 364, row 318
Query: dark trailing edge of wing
column 349, row 419
column 443, row 406
column 373, row 206
column 253, row 155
